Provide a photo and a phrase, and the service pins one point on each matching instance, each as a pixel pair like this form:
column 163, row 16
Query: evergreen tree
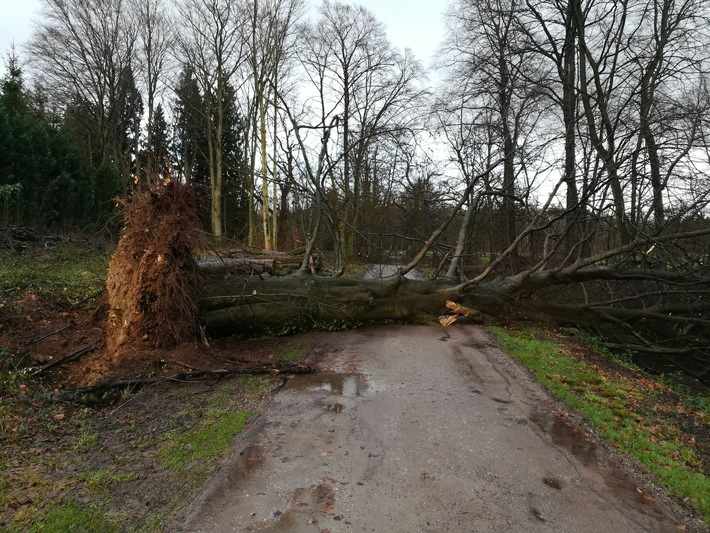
column 42, row 179
column 160, row 146
column 234, row 193
column 190, row 148
column 189, row 129
column 126, row 120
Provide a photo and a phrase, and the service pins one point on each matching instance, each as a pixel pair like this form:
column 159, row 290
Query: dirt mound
column 152, row 283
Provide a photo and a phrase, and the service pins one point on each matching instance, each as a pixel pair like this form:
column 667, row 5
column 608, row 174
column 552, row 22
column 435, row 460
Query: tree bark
column 299, row 302
column 304, row 302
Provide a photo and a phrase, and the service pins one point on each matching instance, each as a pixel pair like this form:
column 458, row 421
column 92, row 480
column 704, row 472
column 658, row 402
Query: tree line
column 558, row 129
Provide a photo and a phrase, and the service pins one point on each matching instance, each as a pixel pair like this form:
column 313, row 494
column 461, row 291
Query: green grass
column 87, row 440
column 68, row 274
column 70, row 516
column 293, row 352
column 195, row 454
column 610, row 404
column 100, row 481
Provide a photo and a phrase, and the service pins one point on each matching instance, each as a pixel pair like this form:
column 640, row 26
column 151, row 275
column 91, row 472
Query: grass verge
column 72, row 469
column 194, row 454
column 641, row 416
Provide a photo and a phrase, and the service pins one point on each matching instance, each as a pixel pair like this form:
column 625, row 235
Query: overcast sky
column 418, row 25
column 16, row 22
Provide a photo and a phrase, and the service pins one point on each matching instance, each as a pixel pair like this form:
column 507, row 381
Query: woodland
column 552, row 165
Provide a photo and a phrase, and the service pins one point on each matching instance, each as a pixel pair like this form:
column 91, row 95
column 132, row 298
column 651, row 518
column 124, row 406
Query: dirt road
column 415, row 429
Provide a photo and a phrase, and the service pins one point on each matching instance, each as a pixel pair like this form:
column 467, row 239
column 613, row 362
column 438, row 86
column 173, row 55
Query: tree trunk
column 303, row 302
column 265, row 218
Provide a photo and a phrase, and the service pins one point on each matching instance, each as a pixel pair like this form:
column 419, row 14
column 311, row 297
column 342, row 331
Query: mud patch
column 335, row 407
column 565, row 435
column 554, row 482
column 310, row 509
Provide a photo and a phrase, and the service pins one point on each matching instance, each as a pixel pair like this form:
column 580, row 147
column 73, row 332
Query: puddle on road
column 566, row 436
column 621, row 484
column 348, row 385
column 251, row 459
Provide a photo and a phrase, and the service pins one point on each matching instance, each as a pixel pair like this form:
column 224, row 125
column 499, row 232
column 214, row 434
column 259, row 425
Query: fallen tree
column 638, row 302
column 644, row 308
column 239, row 305
column 279, row 265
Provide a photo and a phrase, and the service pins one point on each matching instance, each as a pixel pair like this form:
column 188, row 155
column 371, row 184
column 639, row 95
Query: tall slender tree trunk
column 274, row 190
column 216, row 173
column 265, row 218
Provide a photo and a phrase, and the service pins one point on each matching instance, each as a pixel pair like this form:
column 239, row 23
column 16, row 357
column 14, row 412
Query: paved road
column 419, row 429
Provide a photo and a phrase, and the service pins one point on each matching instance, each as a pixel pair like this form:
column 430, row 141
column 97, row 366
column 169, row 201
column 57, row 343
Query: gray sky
column 417, row 25
column 16, row 22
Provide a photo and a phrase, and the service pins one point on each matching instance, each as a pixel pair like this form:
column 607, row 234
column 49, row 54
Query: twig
column 66, row 359
column 183, row 376
column 90, row 297
column 126, row 402
column 49, row 334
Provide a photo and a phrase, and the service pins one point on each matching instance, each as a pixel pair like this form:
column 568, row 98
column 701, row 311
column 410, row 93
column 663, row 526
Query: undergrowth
column 78, row 480
column 66, row 275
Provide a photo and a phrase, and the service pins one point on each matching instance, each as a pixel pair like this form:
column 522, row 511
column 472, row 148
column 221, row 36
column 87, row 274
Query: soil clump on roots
column 152, row 286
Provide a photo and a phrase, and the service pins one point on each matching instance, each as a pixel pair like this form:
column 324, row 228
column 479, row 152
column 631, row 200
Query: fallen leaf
column 310, row 520
column 59, row 417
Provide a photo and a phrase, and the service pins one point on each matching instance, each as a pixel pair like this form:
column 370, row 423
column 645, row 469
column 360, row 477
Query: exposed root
column 152, row 283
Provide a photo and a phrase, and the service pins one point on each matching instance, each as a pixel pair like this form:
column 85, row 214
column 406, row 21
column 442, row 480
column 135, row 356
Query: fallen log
column 277, row 266
column 226, row 264
column 288, row 304
column 282, row 305
column 81, row 394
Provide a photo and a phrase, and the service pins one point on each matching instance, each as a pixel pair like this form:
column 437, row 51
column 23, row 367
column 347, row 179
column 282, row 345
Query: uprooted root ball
column 152, row 278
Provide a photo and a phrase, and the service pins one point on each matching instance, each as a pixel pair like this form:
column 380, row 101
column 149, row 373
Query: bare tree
column 486, row 48
column 155, row 42
column 83, row 50
column 372, row 90
column 214, row 46
column 272, row 26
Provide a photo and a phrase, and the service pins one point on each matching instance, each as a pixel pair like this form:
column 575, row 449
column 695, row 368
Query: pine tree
column 160, row 146
column 189, row 132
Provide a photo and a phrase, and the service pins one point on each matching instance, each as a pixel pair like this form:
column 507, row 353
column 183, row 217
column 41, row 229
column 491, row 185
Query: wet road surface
column 417, row 428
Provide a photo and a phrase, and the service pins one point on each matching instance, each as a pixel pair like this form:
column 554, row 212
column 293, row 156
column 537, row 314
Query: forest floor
column 103, row 463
